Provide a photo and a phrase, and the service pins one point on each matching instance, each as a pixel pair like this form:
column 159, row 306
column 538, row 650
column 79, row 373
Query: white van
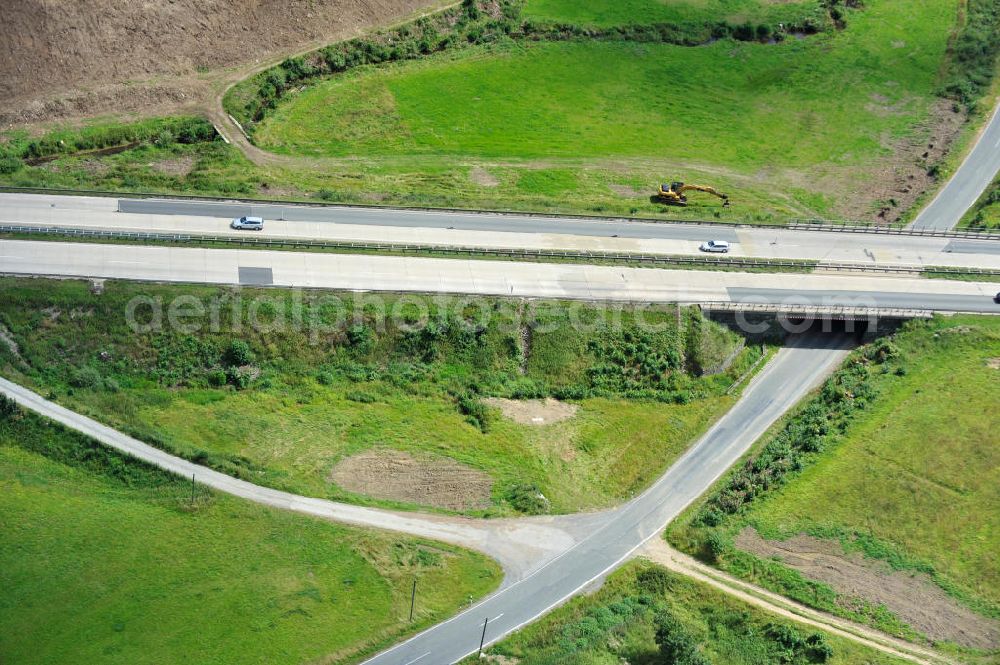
column 248, row 223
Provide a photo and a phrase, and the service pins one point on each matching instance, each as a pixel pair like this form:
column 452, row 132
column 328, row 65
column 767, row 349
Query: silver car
column 720, row 246
column 248, row 224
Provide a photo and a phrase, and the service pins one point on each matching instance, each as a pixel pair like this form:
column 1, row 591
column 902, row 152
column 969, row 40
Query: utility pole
column 192, row 490
column 482, row 640
column 413, row 598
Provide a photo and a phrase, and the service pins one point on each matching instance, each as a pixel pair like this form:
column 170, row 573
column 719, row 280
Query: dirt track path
column 661, row 553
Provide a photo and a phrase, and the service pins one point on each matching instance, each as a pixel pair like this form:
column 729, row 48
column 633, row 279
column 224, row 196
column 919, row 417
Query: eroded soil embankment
column 913, row 597
column 60, row 59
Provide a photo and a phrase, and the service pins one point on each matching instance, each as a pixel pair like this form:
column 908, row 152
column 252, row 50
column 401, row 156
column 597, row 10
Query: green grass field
column 592, row 100
column 618, row 624
column 106, row 560
column 314, row 401
column 742, row 115
column 909, row 475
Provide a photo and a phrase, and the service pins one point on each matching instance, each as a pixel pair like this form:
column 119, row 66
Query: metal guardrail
column 527, row 254
column 800, row 224
column 819, row 225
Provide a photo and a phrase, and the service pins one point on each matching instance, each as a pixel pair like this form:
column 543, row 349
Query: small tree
column 677, row 646
column 239, row 353
column 8, row 408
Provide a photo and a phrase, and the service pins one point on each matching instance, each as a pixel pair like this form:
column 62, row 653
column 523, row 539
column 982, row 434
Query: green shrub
column 10, row 164
column 527, row 498
column 715, row 545
column 217, row 378
column 360, row 397
column 477, row 413
column 676, row 645
column 239, row 353
column 360, row 338
column 85, row 377
column 8, row 408
column 164, row 138
column 654, row 580
column 241, row 377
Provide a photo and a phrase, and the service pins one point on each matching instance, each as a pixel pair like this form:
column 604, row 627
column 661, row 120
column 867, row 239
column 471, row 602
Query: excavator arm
column 704, row 188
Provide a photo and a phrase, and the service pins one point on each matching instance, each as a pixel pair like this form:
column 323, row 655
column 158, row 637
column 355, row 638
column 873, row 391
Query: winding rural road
column 547, row 560
column 519, row 545
column 968, row 183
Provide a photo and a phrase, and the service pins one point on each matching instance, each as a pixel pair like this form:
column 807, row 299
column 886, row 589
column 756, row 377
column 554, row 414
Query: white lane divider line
column 418, row 658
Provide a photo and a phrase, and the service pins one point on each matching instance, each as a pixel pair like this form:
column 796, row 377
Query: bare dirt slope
column 399, row 476
column 913, row 597
column 65, row 58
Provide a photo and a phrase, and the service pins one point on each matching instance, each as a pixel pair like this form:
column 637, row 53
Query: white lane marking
column 997, row 144
column 497, row 617
column 418, row 658
column 132, row 263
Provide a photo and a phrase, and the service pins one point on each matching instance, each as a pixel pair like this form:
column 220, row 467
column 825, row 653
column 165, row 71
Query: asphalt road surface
column 967, row 184
column 795, row 371
column 488, row 278
column 498, row 231
column 430, row 219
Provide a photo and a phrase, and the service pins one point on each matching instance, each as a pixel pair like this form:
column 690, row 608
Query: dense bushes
column 8, row 408
column 990, row 198
column 10, row 164
column 632, row 360
column 477, row 413
column 159, row 131
column 646, row 614
column 527, row 498
column 44, row 437
column 677, row 646
column 848, row 391
column 239, row 353
column 974, row 53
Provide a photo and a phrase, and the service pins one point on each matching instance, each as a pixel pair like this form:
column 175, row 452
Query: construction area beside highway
column 527, row 332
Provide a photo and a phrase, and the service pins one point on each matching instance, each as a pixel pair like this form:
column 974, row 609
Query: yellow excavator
column 674, row 193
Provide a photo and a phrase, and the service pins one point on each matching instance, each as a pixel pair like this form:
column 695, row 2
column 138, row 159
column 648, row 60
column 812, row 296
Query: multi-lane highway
column 492, row 230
